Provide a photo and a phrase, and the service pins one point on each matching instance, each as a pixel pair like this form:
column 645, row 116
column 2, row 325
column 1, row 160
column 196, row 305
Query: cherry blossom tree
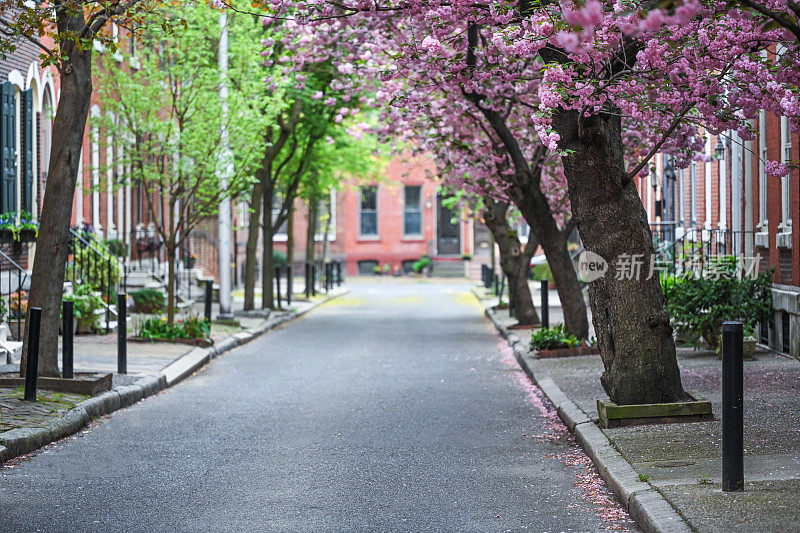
column 582, row 69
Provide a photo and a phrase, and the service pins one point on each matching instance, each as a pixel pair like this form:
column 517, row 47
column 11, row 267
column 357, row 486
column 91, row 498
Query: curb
column 646, row 506
column 21, row 441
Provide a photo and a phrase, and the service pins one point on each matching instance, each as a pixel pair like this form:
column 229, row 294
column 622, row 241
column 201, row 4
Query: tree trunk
column 253, row 228
column 633, row 329
column 171, row 300
column 268, row 263
column 514, row 260
column 534, row 208
column 310, row 232
column 290, row 237
column 47, row 281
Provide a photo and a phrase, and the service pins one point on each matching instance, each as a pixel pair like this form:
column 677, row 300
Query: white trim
column 79, row 191
column 707, row 179
column 762, row 175
column 16, row 78
column 723, row 189
column 786, row 183
column 95, row 169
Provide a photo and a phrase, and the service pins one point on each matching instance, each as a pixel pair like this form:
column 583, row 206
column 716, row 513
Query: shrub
column 701, row 304
column 421, row 263
column 116, row 247
column 8, row 221
column 553, row 338
column 541, row 271
column 279, row 259
column 148, row 301
column 86, row 302
column 159, row 329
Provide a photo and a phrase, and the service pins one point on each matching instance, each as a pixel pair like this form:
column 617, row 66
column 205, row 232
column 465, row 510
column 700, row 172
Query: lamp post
column 226, row 171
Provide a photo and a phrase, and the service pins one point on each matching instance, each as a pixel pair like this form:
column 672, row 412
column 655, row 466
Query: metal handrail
column 22, row 275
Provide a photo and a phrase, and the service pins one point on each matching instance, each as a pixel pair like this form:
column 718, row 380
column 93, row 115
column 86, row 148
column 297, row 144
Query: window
column 523, row 231
column 282, row 231
column 412, row 210
column 786, row 183
column 368, row 223
column 367, row 266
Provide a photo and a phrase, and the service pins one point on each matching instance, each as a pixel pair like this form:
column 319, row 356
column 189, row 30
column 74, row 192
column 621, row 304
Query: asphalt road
column 394, row 408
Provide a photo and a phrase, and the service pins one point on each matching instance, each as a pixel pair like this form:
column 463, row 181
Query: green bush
column 159, row 329
column 699, row 305
column 421, row 263
column 148, row 301
column 541, row 271
column 85, row 301
column 279, row 259
column 116, row 247
column 553, row 338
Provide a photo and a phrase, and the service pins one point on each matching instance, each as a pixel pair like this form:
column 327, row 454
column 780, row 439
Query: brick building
column 729, row 205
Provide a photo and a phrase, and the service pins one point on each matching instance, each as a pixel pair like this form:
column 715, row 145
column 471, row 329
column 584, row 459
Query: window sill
column 784, row 240
column 413, row 238
column 368, row 238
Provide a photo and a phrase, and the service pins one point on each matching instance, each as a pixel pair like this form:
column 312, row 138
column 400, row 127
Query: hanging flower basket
column 8, row 236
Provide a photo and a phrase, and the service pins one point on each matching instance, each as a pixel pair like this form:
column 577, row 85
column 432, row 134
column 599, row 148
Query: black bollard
column 732, row 407
column 32, row 366
column 328, row 277
column 67, row 345
column 314, row 279
column 278, row 285
column 289, row 285
column 122, row 333
column 545, row 304
column 308, row 280
column 209, row 297
column 339, row 273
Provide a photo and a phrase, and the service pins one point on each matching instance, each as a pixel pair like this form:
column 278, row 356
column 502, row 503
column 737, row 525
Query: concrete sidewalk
column 683, row 461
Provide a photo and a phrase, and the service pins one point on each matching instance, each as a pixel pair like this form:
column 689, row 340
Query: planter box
column 26, row 235
column 612, row 415
column 83, row 383
column 567, row 352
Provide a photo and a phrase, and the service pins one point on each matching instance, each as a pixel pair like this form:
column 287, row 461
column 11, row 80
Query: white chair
column 12, row 349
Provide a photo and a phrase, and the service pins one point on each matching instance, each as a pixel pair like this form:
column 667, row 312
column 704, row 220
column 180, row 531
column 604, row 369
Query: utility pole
column 226, row 171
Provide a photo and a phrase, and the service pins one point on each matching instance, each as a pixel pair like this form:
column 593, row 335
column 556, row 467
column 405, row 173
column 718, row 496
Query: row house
column 729, row 205
column 387, row 225
column 28, row 96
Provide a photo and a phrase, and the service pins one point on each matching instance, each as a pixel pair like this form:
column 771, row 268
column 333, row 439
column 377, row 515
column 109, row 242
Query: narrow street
column 393, row 408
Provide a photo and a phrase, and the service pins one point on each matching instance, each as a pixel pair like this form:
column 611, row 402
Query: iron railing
column 682, row 249
column 14, row 282
column 90, row 262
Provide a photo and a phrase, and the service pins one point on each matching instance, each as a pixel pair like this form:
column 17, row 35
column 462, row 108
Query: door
column 448, row 234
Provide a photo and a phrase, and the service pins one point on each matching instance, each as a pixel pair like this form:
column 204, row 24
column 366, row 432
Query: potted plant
column 13, row 230
column 85, row 304
column 190, row 261
column 698, row 305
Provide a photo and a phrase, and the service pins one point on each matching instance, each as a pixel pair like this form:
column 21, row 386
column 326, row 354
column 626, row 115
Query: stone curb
column 651, row 511
column 20, row 441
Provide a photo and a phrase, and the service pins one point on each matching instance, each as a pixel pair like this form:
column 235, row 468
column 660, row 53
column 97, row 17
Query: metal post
column 67, row 346
column 308, row 281
column 289, row 285
column 496, row 281
column 314, row 279
column 732, row 407
column 278, row 285
column 122, row 333
column 32, row 366
column 339, row 273
column 209, row 296
column 108, row 295
column 545, row 304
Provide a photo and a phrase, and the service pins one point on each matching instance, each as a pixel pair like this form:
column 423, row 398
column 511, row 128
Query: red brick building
column 729, row 205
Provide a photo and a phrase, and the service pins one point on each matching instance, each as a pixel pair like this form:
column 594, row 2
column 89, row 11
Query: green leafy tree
column 170, row 111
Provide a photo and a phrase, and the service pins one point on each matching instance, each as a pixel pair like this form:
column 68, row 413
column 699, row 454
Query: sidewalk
column 152, row 366
column 683, row 461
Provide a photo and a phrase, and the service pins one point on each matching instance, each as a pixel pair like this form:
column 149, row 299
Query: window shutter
column 28, row 121
column 8, row 166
